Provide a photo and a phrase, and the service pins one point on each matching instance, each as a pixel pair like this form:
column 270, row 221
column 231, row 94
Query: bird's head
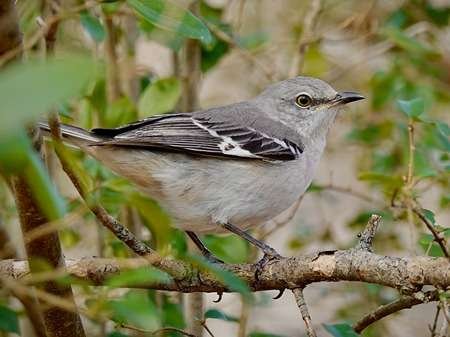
column 306, row 104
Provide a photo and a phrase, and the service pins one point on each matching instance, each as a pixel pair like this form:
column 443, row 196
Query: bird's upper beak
column 345, row 97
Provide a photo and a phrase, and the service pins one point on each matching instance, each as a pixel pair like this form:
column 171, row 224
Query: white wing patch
column 227, row 145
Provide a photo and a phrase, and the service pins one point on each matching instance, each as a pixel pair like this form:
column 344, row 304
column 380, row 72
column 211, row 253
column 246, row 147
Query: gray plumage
column 242, row 164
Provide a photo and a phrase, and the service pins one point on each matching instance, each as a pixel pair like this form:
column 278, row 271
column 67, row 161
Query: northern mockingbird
column 229, row 168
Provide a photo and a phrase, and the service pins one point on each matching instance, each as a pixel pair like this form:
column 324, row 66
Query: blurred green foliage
column 409, row 87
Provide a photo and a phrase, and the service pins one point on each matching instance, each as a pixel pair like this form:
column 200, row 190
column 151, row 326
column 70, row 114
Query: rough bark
column 407, row 274
column 47, row 248
column 58, row 322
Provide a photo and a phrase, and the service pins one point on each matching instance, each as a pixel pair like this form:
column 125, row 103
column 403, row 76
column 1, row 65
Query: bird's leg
column 269, row 252
column 205, row 251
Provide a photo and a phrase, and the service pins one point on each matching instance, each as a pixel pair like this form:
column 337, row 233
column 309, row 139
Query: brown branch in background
column 52, row 29
column 446, row 319
column 29, row 303
column 47, row 248
column 350, row 191
column 113, row 89
column 131, row 86
column 16, row 51
column 266, row 71
column 404, row 302
column 190, row 69
column 435, row 321
column 307, row 35
column 10, row 35
column 301, row 303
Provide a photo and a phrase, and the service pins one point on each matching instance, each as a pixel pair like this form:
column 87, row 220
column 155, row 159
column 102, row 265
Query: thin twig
column 121, row 232
column 307, row 35
column 265, row 70
column 301, row 304
column 438, row 237
column 159, row 331
column 37, row 36
column 445, row 322
column 404, row 302
column 349, row 191
column 436, row 317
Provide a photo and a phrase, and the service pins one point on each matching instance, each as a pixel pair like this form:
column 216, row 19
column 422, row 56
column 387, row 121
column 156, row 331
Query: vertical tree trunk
column 190, row 68
column 57, row 322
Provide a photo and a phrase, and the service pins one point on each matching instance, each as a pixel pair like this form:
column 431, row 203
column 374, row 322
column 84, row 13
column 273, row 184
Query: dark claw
column 264, row 261
column 281, row 292
column 220, row 294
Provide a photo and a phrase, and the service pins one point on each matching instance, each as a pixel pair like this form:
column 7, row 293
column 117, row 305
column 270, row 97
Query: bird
column 224, row 169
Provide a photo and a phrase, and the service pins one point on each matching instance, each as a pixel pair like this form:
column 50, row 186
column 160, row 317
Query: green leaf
column 168, row 15
column 159, row 97
column 230, row 248
column 412, row 108
column 233, row 282
column 340, row 330
column 155, row 219
column 429, row 215
column 121, row 111
column 172, row 315
column 9, row 322
column 93, row 26
column 443, row 128
column 428, row 244
column 139, row 276
column 212, row 54
column 31, row 89
column 218, row 314
column 137, row 309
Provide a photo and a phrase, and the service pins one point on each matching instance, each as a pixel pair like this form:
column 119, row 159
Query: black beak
column 345, row 97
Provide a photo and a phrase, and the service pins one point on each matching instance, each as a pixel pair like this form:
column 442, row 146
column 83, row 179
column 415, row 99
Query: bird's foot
column 270, row 255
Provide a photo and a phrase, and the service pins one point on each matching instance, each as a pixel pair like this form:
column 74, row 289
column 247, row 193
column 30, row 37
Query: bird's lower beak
column 345, row 97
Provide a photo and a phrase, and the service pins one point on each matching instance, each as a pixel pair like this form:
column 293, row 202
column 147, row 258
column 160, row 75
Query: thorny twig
column 367, row 236
column 301, row 303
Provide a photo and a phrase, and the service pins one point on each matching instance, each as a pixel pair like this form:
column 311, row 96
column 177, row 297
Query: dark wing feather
column 200, row 135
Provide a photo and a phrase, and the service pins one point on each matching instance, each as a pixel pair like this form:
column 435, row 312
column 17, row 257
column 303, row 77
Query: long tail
column 73, row 134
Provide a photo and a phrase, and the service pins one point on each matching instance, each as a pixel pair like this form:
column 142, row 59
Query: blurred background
column 396, row 53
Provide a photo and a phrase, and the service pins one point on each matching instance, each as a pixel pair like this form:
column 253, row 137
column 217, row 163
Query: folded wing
column 201, row 135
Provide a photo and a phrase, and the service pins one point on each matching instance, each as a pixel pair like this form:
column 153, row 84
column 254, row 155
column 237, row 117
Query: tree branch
column 408, row 274
column 404, row 302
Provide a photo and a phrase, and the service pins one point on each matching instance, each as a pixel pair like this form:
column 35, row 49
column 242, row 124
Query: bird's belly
column 201, row 193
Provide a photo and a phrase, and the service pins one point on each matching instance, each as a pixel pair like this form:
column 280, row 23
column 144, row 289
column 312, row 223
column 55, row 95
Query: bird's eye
column 303, row 100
